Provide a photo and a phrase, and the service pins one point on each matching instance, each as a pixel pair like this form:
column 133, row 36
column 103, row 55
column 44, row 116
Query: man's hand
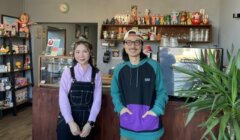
column 124, row 110
column 149, row 113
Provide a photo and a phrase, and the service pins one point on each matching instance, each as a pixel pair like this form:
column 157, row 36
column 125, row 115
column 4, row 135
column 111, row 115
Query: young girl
column 80, row 96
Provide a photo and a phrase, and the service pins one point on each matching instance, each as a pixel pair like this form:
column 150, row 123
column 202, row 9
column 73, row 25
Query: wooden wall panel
column 45, row 111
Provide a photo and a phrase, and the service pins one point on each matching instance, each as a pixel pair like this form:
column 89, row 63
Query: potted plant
column 217, row 91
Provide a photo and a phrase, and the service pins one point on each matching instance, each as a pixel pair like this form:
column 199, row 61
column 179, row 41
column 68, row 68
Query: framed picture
column 10, row 23
column 77, row 31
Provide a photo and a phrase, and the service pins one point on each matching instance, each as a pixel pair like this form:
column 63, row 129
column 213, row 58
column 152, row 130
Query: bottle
column 202, row 34
column 206, row 35
column 8, row 67
column 191, row 34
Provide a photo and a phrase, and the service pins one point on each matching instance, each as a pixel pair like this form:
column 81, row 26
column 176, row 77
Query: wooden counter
column 46, row 109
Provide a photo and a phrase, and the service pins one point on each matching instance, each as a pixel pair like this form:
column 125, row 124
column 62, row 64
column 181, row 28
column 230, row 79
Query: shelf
column 21, row 53
column 13, row 57
column 168, row 30
column 117, row 40
column 13, row 37
column 19, row 70
column 5, row 91
column 132, row 25
column 15, row 54
column 5, row 72
column 4, row 107
column 48, row 85
column 21, row 87
column 22, row 102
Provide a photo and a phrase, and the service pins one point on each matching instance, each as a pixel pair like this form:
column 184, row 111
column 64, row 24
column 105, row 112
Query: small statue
column 189, row 21
column 161, row 20
column 147, row 16
column 154, row 20
column 205, row 19
column 157, row 21
column 24, row 23
column 112, row 21
column 183, row 18
column 196, row 18
column 133, row 16
column 174, row 17
column 167, row 20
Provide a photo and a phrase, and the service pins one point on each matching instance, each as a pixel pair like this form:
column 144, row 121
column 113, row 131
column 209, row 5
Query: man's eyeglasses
column 136, row 42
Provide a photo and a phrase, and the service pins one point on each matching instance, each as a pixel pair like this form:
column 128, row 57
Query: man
column 138, row 92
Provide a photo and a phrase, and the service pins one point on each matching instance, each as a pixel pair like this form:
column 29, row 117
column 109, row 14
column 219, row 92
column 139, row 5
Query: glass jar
column 197, row 35
column 191, row 35
column 202, row 34
column 206, row 35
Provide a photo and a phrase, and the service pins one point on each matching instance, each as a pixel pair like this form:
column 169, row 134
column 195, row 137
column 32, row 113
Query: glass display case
column 51, row 68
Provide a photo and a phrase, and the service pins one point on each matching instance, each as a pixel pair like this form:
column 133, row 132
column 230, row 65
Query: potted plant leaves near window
column 217, row 91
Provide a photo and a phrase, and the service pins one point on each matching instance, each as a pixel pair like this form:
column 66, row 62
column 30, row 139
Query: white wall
column 11, row 7
column 230, row 27
column 96, row 11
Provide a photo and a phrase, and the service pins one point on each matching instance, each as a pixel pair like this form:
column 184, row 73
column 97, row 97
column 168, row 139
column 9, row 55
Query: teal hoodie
column 139, row 88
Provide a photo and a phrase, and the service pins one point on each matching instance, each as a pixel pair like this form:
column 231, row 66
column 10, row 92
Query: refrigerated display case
column 51, row 68
column 183, row 57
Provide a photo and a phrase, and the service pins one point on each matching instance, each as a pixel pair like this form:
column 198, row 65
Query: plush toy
column 23, row 23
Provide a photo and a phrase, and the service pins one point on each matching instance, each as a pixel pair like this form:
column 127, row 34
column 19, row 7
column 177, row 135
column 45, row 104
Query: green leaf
column 236, row 129
column 234, row 86
column 210, row 126
column 238, row 60
column 223, row 123
column 190, row 115
column 212, row 136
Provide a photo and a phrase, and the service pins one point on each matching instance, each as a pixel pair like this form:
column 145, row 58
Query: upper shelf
column 177, row 25
column 184, row 33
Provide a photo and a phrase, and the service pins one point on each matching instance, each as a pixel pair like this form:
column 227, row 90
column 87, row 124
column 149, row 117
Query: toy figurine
column 183, row 18
column 147, row 16
column 133, row 16
column 24, row 22
column 157, row 21
column 196, row 18
column 174, row 17
column 154, row 18
column 189, row 21
column 161, row 19
column 205, row 19
column 167, row 19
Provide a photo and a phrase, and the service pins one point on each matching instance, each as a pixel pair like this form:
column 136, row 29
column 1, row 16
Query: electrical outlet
column 236, row 15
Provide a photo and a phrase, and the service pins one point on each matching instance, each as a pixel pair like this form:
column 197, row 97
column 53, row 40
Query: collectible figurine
column 183, row 18
column 154, row 18
column 205, row 19
column 167, row 19
column 196, row 18
column 147, row 17
column 24, row 22
column 174, row 17
column 161, row 19
column 133, row 16
column 157, row 20
column 189, row 18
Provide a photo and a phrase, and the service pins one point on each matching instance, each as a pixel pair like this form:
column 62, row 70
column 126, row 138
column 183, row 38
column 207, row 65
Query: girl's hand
column 86, row 130
column 74, row 128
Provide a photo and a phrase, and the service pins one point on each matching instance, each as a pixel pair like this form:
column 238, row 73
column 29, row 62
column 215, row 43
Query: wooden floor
column 17, row 127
